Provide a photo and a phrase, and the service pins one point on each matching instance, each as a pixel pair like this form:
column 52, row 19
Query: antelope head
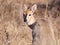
column 29, row 14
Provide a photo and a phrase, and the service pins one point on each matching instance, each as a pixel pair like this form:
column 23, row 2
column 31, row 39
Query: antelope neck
column 32, row 25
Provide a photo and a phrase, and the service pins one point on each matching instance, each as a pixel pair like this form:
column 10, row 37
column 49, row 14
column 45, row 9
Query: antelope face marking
column 29, row 14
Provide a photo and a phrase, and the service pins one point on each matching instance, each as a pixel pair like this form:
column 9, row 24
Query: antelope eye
column 29, row 14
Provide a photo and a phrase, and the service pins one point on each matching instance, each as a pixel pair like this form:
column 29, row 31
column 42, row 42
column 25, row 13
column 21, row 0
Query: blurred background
column 14, row 31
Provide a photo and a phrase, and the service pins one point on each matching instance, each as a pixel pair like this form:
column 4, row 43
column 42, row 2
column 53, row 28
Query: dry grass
column 12, row 33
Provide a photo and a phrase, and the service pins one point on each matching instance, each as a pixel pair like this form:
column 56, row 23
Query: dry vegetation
column 13, row 33
column 11, row 30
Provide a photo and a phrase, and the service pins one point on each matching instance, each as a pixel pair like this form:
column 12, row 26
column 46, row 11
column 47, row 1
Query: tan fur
column 30, row 19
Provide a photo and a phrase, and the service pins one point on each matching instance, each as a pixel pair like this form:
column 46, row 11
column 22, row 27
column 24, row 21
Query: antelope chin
column 31, row 22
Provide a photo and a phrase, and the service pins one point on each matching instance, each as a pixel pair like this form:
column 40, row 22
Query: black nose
column 24, row 16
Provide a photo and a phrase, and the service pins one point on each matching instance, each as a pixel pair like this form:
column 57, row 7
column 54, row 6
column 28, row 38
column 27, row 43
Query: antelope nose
column 24, row 16
column 25, row 20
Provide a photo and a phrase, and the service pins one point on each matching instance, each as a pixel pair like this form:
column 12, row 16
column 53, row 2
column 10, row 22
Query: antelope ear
column 25, row 7
column 34, row 7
